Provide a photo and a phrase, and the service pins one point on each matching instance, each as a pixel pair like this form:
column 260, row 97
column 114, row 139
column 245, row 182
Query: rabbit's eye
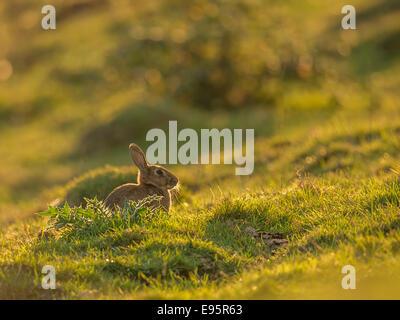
column 159, row 172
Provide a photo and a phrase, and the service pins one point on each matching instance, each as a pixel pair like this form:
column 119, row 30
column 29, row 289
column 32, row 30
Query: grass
column 203, row 248
column 325, row 191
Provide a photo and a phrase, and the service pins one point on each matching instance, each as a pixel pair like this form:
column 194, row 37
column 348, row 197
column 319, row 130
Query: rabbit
column 152, row 180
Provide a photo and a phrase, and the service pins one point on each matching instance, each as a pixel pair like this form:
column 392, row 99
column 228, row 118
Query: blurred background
column 72, row 99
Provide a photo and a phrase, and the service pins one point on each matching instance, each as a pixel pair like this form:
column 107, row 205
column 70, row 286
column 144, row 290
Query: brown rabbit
column 152, row 180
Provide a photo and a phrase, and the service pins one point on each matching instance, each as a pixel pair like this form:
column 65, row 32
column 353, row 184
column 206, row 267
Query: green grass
column 203, row 248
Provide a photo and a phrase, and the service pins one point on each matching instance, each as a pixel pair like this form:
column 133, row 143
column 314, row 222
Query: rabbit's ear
column 138, row 156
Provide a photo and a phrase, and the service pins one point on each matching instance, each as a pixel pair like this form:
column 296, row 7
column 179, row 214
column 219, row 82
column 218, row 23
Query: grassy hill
column 325, row 191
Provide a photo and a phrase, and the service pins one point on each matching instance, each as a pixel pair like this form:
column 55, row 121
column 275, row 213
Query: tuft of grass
column 96, row 219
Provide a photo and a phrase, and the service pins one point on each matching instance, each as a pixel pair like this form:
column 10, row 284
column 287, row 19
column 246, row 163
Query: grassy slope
column 323, row 173
column 203, row 249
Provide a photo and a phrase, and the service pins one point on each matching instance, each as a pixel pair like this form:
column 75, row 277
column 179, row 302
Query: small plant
column 96, row 218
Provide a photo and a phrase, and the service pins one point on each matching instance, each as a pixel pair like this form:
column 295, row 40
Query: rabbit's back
column 135, row 192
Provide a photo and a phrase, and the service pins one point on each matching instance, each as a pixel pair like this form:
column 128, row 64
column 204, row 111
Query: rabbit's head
column 151, row 174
